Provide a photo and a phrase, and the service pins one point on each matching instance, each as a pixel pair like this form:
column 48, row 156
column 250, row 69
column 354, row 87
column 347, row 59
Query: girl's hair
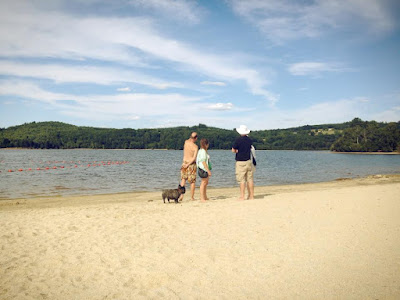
column 203, row 143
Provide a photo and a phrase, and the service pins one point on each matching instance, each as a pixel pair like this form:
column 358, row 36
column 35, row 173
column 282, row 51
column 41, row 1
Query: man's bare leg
column 250, row 189
column 242, row 190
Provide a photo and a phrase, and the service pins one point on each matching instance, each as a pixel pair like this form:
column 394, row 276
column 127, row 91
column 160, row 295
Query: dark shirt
column 243, row 145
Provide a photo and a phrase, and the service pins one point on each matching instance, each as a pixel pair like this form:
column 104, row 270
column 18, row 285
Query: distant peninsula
column 353, row 136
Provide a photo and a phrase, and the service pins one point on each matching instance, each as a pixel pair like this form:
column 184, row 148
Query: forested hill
column 356, row 135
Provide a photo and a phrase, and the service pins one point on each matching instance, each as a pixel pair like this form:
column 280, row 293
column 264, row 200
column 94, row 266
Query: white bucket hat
column 243, row 130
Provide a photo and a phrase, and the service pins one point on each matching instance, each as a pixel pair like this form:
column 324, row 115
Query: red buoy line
column 73, row 165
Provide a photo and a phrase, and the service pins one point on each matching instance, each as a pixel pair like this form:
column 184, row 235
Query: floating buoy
column 20, row 170
column 10, row 171
column 38, row 169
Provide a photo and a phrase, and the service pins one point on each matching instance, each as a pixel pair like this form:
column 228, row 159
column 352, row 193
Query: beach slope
column 334, row 240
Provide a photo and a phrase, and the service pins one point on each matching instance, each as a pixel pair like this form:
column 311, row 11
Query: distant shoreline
column 335, row 152
column 369, row 153
column 20, row 148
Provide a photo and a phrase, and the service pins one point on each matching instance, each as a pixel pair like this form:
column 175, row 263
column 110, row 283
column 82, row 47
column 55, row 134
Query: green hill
column 350, row 136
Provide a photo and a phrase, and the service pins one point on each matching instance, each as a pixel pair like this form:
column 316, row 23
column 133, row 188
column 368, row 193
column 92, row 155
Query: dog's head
column 181, row 189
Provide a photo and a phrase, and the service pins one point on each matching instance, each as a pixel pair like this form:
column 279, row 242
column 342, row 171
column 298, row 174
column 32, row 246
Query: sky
column 267, row 64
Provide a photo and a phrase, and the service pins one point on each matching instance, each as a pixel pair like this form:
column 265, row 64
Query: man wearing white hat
column 244, row 163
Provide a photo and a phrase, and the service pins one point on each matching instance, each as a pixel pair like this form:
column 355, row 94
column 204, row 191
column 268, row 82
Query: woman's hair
column 203, row 143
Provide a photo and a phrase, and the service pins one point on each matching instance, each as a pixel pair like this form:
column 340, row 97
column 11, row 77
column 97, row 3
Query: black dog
column 173, row 194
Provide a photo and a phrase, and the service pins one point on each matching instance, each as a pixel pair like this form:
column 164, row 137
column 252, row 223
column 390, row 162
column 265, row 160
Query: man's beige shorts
column 244, row 171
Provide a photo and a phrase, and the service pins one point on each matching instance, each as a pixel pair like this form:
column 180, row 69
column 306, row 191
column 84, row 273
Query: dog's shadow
column 262, row 196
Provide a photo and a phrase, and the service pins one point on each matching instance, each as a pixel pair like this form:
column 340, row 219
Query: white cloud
column 342, row 110
column 183, row 10
column 221, row 106
column 331, row 112
column 388, row 115
column 124, row 89
column 287, row 20
column 176, row 109
column 82, row 74
column 132, row 118
column 313, row 68
column 216, row 83
column 29, row 90
column 56, row 35
column 129, row 41
column 102, row 106
column 362, row 99
column 158, row 109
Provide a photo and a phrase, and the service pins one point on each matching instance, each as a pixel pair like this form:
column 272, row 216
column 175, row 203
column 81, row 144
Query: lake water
column 69, row 172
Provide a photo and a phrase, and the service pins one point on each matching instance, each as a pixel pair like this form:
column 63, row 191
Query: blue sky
column 164, row 63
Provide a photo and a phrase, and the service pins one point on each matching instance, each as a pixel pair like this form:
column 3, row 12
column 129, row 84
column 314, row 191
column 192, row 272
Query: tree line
column 356, row 135
column 369, row 137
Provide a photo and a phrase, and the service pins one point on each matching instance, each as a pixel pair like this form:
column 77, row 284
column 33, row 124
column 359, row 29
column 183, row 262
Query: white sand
column 336, row 240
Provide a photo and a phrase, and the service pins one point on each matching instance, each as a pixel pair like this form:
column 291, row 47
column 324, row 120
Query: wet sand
column 333, row 240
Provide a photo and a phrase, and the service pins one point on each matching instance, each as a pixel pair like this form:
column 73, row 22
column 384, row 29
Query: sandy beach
column 333, row 240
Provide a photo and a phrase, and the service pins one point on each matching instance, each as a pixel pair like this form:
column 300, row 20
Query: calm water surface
column 150, row 170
